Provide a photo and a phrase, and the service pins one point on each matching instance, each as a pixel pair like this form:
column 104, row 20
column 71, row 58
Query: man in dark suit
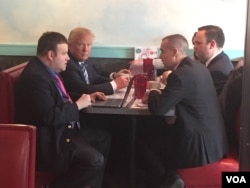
column 64, row 146
column 198, row 135
column 208, row 47
column 80, row 75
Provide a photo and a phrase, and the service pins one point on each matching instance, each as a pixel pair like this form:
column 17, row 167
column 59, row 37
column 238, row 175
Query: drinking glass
column 148, row 68
column 140, row 84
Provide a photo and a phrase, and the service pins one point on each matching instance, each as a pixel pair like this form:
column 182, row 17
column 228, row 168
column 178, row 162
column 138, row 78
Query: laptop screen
column 115, row 102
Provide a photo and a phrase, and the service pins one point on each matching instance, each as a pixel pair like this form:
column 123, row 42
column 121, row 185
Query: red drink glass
column 148, row 68
column 140, row 84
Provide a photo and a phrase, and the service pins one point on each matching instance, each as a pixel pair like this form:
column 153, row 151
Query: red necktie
column 62, row 88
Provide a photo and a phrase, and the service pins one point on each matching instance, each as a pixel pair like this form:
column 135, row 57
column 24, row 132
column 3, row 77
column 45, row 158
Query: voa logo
column 236, row 179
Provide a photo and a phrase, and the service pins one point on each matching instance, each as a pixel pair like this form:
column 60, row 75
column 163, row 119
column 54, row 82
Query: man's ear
column 175, row 51
column 51, row 55
column 212, row 44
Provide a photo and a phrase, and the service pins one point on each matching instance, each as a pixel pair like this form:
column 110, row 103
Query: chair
column 8, row 80
column 17, row 158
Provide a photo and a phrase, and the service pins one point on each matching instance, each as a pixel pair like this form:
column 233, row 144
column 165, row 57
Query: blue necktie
column 84, row 71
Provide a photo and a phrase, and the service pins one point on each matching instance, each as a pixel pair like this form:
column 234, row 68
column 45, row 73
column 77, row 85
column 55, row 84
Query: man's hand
column 83, row 101
column 122, row 81
column 97, row 96
column 135, row 63
column 122, row 72
column 164, row 76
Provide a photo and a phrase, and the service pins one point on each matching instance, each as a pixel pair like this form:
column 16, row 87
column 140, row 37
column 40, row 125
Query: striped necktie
column 84, row 71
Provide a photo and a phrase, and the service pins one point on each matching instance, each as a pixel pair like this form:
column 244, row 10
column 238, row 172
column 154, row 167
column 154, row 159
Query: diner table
column 133, row 108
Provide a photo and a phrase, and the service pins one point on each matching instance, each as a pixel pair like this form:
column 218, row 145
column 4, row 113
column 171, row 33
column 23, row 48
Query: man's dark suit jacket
column 230, row 101
column 39, row 103
column 220, row 68
column 75, row 82
column 199, row 135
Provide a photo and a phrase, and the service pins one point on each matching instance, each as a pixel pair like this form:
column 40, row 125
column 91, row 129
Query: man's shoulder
column 189, row 64
column 90, row 62
column 223, row 57
column 34, row 73
column 221, row 62
column 34, row 67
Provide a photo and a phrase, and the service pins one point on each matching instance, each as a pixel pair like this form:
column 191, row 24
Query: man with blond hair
column 80, row 75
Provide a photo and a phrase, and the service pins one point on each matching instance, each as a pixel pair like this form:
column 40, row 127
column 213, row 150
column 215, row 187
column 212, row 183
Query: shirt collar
column 51, row 72
column 211, row 58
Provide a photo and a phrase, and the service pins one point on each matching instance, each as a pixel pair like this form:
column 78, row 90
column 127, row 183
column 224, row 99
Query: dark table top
column 133, row 107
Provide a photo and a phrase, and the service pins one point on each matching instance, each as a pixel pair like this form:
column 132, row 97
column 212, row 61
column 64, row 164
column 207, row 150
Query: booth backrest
column 17, row 155
column 8, row 79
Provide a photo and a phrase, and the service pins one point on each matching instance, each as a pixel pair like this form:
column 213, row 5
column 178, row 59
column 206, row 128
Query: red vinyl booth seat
column 17, row 156
column 8, row 79
column 210, row 176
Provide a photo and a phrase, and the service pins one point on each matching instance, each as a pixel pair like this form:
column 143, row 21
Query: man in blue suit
column 208, row 47
column 65, row 146
column 80, row 75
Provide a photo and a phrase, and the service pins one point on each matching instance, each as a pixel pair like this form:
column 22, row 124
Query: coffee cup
column 152, row 84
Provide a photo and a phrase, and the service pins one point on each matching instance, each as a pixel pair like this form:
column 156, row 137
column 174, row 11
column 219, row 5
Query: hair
column 194, row 54
column 193, row 37
column 78, row 32
column 177, row 41
column 49, row 41
column 213, row 32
